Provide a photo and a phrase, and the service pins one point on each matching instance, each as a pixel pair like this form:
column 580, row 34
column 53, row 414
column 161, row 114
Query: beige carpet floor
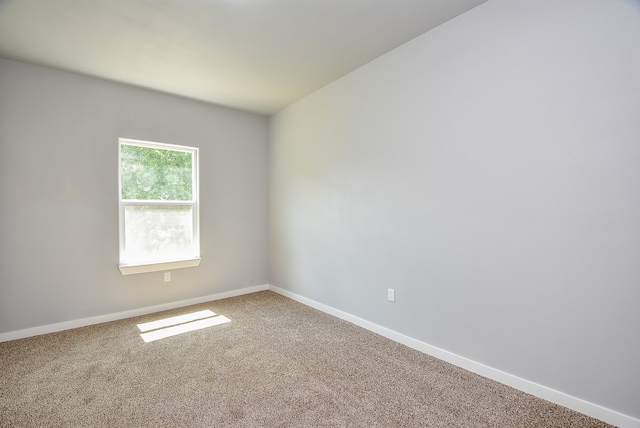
column 277, row 363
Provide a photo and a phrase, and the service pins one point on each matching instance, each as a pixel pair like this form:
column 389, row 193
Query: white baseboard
column 541, row 391
column 52, row 328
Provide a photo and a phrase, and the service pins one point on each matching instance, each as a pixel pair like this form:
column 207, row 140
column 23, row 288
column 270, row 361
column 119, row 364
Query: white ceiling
column 253, row 55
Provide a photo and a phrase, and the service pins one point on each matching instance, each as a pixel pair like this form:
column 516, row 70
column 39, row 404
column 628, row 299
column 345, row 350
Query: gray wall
column 59, row 195
column 489, row 171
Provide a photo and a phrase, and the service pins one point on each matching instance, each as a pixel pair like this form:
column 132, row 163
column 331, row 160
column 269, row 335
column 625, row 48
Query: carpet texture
column 278, row 363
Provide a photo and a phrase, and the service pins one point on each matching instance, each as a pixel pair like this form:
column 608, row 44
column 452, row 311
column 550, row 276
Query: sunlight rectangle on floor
column 180, row 319
column 183, row 328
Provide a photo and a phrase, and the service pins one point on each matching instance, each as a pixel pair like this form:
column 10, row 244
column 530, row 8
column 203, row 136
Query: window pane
column 149, row 173
column 158, row 233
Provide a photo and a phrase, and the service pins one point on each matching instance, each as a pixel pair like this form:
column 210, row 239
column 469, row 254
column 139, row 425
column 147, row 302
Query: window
column 158, row 206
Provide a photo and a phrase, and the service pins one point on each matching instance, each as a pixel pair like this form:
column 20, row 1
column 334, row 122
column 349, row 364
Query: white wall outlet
column 391, row 294
column 167, row 276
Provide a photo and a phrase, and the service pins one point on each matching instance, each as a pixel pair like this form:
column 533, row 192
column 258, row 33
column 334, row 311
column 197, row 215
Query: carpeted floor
column 277, row 363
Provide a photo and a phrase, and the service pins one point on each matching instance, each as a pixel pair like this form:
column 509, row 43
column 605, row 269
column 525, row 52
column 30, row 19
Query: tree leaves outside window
column 155, row 174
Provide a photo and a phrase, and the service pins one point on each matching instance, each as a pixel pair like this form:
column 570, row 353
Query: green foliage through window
column 155, row 174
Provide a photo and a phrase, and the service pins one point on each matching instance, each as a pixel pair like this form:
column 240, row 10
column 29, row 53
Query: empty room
column 363, row 213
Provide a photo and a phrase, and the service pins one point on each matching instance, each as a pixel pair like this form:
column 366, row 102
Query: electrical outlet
column 391, row 294
column 167, row 276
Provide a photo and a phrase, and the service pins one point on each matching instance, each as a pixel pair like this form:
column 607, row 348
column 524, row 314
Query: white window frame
column 134, row 268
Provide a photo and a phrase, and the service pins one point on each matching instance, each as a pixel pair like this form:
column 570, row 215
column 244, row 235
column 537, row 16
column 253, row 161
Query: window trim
column 155, row 266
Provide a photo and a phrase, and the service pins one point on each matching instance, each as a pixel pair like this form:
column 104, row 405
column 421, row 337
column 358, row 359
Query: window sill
column 159, row 266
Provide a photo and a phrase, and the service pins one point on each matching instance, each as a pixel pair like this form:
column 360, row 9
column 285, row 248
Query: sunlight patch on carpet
column 180, row 319
column 173, row 326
